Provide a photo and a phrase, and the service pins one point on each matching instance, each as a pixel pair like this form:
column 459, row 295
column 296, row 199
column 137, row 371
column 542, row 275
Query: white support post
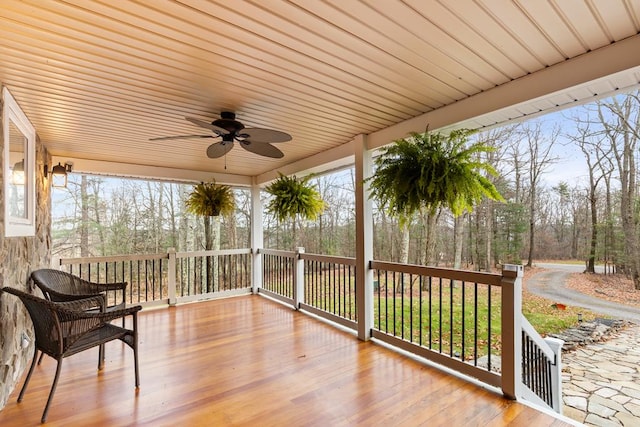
column 298, row 277
column 257, row 238
column 511, row 330
column 172, row 276
column 364, row 239
column 556, row 375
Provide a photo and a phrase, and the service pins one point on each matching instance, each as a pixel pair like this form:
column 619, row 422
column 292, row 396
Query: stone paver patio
column 601, row 381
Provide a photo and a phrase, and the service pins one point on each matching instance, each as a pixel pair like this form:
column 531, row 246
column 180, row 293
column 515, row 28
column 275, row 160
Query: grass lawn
column 547, row 319
column 461, row 321
column 465, row 323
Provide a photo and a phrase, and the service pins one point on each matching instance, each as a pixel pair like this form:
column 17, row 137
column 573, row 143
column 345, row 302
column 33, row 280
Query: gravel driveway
column 550, row 284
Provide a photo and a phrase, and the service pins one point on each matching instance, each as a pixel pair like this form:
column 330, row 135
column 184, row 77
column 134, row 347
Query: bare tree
column 539, row 156
column 498, row 139
column 597, row 155
column 620, row 118
column 84, row 218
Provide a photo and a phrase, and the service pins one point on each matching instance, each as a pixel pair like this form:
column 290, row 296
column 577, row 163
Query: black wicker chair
column 61, row 286
column 66, row 328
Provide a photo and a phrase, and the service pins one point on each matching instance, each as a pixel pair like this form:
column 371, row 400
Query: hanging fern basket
column 294, row 197
column 211, row 199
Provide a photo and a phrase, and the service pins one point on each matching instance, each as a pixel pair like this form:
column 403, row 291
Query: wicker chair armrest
column 86, row 303
column 70, row 297
column 117, row 286
column 118, row 314
column 89, row 301
column 74, row 311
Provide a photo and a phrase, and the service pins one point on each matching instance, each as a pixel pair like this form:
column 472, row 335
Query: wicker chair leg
column 53, row 390
column 26, row 381
column 101, row 356
column 40, row 358
column 135, row 348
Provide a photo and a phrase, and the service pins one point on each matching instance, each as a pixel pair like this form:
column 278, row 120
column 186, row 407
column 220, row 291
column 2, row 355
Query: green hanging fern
column 432, row 170
column 211, row 199
column 293, row 197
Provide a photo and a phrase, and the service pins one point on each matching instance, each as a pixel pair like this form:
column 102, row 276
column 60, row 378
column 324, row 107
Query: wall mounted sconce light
column 58, row 174
column 17, row 173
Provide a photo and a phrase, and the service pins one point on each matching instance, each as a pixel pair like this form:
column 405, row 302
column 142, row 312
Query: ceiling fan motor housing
column 228, row 122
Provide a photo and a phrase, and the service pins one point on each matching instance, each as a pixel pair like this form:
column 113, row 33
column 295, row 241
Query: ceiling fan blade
column 164, row 138
column 264, row 135
column 218, row 130
column 262, row 148
column 219, row 149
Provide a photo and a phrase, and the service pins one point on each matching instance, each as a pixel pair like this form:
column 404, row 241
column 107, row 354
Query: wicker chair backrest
column 61, row 282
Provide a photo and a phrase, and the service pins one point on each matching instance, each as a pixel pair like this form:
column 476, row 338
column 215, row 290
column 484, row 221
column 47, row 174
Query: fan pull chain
column 225, row 161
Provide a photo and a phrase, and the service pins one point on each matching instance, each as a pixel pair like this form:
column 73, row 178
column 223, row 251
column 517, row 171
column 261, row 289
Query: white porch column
column 172, row 276
column 364, row 239
column 257, row 238
column 298, row 282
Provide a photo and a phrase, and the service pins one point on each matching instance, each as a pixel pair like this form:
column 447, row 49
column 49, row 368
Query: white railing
column 320, row 284
column 452, row 317
column 418, row 308
column 171, row 277
column 541, row 368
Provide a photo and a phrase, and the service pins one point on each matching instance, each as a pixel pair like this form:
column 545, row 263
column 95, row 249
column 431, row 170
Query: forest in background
column 594, row 218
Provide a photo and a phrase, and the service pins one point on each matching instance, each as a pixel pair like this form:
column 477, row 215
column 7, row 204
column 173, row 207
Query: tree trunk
column 98, row 218
column 404, row 245
column 294, row 232
column 623, row 131
column 591, row 261
column 233, row 231
column 84, row 219
column 609, row 254
column 489, row 234
column 532, row 228
column 430, row 241
column 458, row 238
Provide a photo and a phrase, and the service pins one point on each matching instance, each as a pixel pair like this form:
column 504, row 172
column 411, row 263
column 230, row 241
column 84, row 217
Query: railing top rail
column 114, row 258
column 213, row 253
column 445, row 273
column 533, row 334
column 328, row 258
column 286, row 254
column 143, row 257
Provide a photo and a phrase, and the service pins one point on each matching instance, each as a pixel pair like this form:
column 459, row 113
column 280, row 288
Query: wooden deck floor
column 250, row 361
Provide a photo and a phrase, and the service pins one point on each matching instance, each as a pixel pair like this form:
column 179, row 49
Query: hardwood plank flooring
column 250, row 361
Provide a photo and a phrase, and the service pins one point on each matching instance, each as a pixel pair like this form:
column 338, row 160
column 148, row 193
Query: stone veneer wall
column 18, row 257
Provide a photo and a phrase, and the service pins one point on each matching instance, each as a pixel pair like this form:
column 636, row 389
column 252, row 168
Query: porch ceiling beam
column 150, row 172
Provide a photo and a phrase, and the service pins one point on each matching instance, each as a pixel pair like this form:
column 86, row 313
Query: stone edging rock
column 589, row 332
column 583, row 334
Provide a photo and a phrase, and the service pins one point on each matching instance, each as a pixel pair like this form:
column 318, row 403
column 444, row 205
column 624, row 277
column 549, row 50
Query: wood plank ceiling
column 99, row 78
